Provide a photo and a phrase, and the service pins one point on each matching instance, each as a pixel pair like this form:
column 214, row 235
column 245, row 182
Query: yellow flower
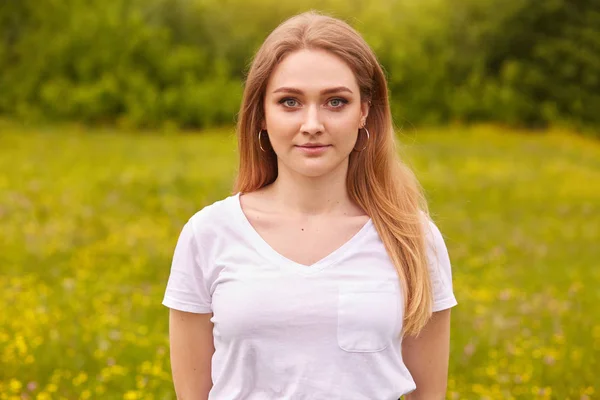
column 146, row 367
column 100, row 389
column 131, row 395
column 15, row 385
column 21, row 345
column 79, row 379
column 589, row 390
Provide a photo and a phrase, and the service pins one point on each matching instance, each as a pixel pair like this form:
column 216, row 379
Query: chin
column 314, row 168
column 312, row 173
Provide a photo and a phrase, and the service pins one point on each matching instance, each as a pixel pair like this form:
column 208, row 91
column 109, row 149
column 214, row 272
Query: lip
column 313, row 148
column 313, row 145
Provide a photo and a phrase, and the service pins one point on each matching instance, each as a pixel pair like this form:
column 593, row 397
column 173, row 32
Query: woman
column 322, row 277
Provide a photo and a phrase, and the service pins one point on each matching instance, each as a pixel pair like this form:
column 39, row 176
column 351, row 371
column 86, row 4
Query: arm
column 427, row 357
column 192, row 347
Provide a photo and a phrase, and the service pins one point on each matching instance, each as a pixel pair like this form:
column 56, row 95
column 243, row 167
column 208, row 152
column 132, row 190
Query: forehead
column 312, row 70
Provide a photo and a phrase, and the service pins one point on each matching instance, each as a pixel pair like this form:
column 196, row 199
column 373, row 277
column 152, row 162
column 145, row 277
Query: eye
column 288, row 102
column 338, row 102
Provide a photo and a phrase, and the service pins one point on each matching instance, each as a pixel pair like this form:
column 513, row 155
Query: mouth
column 313, row 149
column 313, row 145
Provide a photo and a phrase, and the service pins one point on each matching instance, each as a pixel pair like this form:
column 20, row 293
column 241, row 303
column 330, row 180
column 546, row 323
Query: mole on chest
column 305, row 246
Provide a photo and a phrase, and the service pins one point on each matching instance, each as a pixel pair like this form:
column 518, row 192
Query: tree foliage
column 151, row 62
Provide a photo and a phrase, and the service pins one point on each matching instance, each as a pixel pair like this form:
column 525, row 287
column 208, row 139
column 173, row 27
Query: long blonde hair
column 377, row 180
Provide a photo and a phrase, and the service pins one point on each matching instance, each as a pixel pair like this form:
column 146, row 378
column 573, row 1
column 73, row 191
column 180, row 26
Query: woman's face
column 313, row 112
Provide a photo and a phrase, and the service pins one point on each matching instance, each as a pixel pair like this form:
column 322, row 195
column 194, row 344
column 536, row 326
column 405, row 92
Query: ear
column 365, row 106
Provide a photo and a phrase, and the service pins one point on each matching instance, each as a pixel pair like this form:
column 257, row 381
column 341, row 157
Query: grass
column 89, row 220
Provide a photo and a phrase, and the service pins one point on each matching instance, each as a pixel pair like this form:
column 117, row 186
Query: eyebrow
column 336, row 89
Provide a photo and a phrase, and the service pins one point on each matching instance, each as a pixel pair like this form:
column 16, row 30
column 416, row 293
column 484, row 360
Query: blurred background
column 117, row 124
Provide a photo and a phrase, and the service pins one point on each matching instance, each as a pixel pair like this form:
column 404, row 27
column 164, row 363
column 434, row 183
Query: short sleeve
column 187, row 288
column 440, row 269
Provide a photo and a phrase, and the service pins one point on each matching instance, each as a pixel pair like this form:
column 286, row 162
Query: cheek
column 345, row 131
column 344, row 123
column 347, row 142
column 281, row 132
column 279, row 120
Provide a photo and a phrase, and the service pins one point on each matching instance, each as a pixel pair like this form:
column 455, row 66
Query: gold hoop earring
column 368, row 138
column 259, row 142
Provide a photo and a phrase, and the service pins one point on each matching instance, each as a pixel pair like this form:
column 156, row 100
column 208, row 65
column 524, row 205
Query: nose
column 312, row 124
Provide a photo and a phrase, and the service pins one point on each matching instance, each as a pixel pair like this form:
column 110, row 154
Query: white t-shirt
column 283, row 330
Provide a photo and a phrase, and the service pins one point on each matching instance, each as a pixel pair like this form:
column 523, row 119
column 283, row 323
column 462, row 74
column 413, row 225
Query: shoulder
column 212, row 217
column 439, row 265
column 432, row 232
column 434, row 239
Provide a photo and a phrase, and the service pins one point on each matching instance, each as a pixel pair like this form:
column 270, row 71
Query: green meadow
column 89, row 219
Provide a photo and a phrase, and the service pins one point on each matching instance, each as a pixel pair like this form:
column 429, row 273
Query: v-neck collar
column 271, row 254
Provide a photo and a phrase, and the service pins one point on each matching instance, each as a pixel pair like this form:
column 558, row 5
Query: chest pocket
column 368, row 316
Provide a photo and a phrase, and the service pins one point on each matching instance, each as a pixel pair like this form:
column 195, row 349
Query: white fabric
column 283, row 330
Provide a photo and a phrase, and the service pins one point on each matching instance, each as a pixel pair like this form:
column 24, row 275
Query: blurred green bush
column 149, row 63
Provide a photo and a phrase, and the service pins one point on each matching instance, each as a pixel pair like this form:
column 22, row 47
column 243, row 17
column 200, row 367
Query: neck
column 299, row 194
